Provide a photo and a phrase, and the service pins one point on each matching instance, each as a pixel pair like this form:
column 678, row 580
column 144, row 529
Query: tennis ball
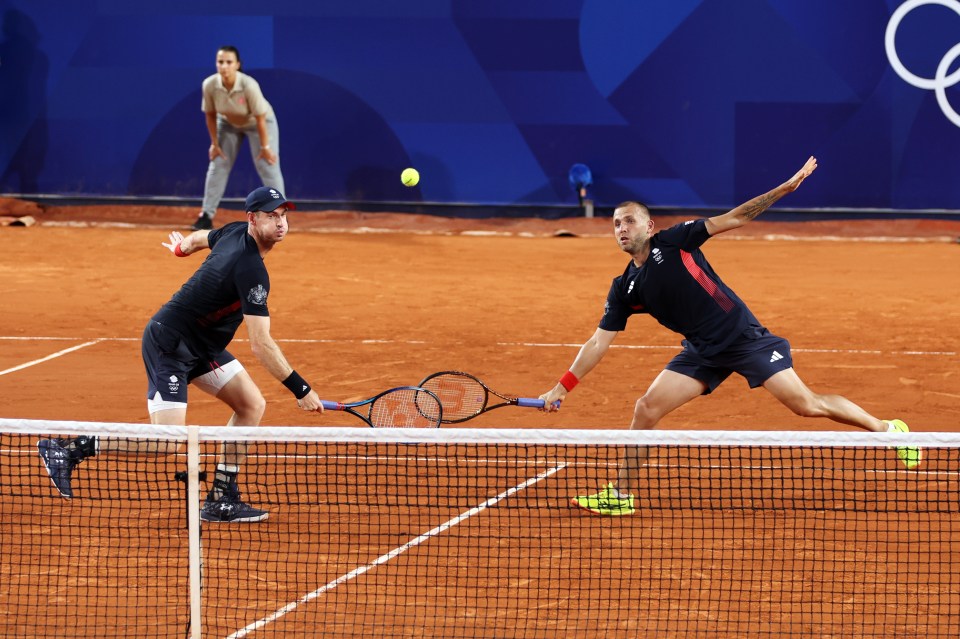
column 410, row 177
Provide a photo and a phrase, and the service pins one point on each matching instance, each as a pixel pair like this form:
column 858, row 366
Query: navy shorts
column 757, row 355
column 171, row 363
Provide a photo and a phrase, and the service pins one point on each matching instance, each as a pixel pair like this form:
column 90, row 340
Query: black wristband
column 296, row 385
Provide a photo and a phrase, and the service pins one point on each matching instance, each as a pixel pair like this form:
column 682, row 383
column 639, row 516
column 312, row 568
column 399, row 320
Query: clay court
column 364, row 302
column 504, row 299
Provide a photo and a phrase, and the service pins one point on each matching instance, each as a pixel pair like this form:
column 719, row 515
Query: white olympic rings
column 941, row 81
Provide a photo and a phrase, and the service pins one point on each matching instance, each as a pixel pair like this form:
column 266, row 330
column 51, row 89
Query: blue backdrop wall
column 687, row 103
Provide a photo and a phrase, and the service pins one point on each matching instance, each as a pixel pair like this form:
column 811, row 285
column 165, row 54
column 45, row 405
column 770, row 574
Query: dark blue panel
column 686, row 102
column 408, row 70
column 523, row 45
column 805, row 130
column 406, row 47
column 573, row 99
column 146, row 42
column 616, row 36
column 926, row 179
column 513, row 10
column 147, row 103
column 332, row 8
column 846, row 35
column 684, row 96
column 24, row 72
column 858, row 161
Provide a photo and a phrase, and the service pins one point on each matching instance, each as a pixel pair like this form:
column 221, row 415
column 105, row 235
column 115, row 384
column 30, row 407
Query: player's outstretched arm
column 749, row 210
column 183, row 246
column 589, row 356
column 266, row 349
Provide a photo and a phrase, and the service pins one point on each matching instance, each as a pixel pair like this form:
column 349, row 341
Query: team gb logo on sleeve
column 257, row 295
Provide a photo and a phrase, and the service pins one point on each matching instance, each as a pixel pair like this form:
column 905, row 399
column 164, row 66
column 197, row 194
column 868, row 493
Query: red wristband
column 568, row 380
column 178, row 252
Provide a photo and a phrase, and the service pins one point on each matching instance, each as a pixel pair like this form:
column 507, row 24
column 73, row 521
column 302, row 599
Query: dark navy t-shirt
column 677, row 286
column 231, row 282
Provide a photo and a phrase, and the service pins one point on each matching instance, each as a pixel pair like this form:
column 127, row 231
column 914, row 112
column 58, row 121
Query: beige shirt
column 240, row 105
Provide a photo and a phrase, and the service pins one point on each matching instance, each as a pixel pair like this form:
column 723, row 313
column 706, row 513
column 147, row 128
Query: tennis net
column 459, row 532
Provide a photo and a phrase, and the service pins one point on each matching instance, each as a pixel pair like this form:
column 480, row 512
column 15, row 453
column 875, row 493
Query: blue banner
column 679, row 103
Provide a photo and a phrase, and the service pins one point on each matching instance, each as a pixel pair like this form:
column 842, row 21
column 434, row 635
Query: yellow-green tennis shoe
column 606, row 502
column 911, row 456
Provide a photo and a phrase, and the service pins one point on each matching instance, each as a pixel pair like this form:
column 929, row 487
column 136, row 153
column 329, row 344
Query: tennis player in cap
column 185, row 342
column 669, row 278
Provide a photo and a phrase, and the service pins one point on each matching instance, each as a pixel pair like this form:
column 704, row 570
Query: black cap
column 267, row 199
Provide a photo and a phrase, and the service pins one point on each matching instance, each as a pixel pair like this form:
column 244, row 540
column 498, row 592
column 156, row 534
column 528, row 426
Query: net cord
column 930, row 439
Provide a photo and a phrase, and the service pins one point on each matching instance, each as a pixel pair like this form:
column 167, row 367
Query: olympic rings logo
column 941, row 81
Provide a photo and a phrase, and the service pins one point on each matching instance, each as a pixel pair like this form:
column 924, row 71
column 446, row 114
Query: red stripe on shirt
column 215, row 316
column 708, row 285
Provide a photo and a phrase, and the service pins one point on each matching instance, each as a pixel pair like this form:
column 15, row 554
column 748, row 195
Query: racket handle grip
column 331, row 405
column 529, row 402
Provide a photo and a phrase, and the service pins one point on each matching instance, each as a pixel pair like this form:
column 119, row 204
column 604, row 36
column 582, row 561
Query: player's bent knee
column 644, row 415
column 249, row 406
column 259, row 404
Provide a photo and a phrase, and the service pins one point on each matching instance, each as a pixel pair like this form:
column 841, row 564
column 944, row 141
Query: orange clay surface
column 365, row 302
column 876, row 321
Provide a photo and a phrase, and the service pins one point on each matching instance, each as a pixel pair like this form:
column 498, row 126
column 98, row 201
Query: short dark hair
column 229, row 48
column 634, row 204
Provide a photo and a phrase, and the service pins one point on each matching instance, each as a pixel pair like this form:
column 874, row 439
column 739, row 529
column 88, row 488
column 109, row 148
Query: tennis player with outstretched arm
column 669, row 278
column 186, row 340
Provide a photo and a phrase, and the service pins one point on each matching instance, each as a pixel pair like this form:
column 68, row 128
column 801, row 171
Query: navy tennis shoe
column 228, row 509
column 59, row 464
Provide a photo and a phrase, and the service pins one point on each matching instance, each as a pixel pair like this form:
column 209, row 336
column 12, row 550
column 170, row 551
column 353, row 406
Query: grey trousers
column 231, row 138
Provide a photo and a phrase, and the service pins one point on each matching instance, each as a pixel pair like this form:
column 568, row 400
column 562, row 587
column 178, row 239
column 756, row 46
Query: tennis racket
column 463, row 396
column 401, row 407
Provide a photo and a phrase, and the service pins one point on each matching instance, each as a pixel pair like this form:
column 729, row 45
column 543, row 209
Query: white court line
column 417, row 342
column 848, row 351
column 52, row 338
column 382, row 559
column 362, row 230
column 49, row 357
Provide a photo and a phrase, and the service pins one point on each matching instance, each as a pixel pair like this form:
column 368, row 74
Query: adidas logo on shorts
column 775, row 356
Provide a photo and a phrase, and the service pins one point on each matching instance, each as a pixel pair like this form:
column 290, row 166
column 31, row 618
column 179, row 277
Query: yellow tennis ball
column 410, row 177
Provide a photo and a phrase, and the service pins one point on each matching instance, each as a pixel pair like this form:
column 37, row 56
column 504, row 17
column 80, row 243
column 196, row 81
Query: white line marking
column 49, row 357
column 382, row 559
column 418, row 342
column 847, row 351
column 38, row 338
column 353, row 230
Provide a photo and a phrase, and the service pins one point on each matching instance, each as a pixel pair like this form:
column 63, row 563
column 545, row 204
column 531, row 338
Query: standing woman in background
column 235, row 109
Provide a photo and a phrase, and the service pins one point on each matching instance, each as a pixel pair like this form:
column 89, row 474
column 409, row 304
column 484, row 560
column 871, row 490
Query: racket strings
column 405, row 408
column 461, row 397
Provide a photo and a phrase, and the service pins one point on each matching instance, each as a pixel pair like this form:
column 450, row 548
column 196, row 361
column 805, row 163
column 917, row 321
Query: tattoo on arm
column 758, row 205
